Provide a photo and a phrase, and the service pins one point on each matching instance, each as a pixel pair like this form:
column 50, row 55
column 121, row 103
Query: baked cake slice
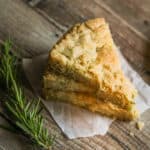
column 87, row 54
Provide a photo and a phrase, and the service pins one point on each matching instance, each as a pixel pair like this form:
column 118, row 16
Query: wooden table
column 36, row 25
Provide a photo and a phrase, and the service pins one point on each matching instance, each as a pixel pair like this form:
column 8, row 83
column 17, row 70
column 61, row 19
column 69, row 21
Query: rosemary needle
column 25, row 114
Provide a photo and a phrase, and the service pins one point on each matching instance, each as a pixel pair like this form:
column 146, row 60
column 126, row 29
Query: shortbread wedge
column 87, row 54
column 92, row 104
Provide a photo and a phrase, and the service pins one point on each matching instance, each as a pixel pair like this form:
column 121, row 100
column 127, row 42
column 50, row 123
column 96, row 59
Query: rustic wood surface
column 35, row 26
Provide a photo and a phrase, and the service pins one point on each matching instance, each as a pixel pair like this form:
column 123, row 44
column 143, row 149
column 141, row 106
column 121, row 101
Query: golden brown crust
column 93, row 25
column 87, row 54
column 92, row 104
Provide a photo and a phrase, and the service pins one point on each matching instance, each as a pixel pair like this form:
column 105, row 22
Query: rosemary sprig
column 25, row 114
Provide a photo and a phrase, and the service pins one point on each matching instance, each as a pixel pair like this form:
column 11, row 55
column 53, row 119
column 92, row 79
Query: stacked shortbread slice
column 84, row 69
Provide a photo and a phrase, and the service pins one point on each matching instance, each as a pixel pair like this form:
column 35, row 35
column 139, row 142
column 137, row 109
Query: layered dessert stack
column 84, row 70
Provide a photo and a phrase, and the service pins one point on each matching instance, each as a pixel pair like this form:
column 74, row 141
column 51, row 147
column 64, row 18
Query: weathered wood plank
column 135, row 12
column 31, row 33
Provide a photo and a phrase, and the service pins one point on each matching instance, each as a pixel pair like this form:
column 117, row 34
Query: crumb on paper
column 131, row 134
column 139, row 125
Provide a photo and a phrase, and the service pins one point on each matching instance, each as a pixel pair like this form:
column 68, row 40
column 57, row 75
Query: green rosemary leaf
column 24, row 114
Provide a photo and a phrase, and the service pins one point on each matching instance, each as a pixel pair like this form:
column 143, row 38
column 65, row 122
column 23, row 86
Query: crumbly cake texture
column 87, row 54
column 62, row 83
column 92, row 104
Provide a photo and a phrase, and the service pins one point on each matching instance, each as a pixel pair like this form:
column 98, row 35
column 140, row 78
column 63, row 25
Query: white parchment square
column 78, row 122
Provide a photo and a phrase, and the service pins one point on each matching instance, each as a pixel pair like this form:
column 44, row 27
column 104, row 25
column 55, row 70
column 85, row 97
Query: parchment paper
column 77, row 122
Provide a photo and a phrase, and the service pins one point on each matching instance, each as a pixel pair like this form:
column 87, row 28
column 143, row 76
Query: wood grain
column 134, row 12
column 35, row 30
column 31, row 33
